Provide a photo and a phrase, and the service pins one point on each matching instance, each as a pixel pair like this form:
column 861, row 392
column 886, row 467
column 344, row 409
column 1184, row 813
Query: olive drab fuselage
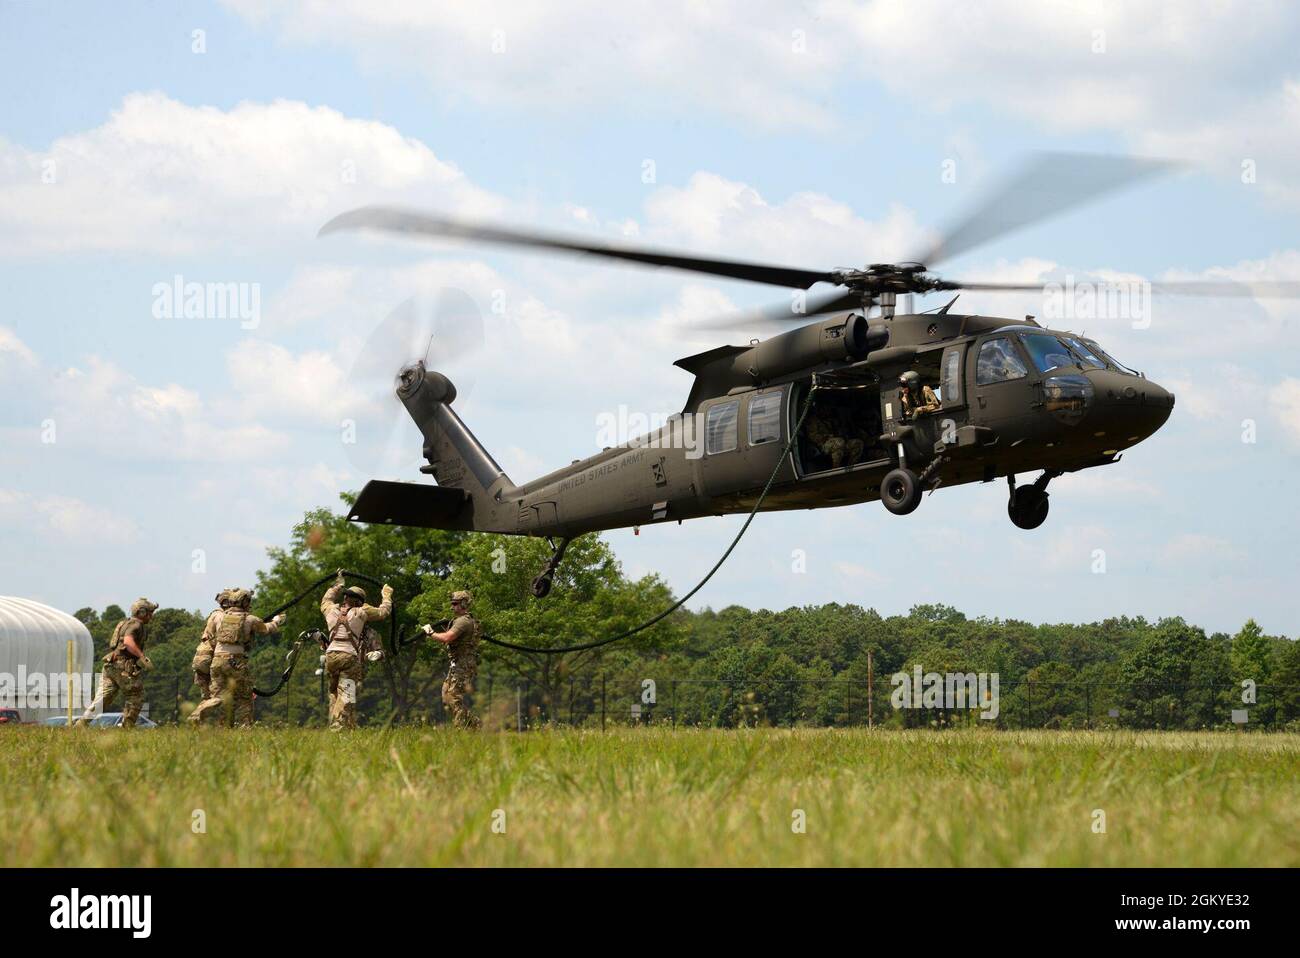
column 1013, row 407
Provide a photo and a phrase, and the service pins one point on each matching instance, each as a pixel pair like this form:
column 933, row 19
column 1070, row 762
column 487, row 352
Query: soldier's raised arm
column 330, row 601
column 385, row 607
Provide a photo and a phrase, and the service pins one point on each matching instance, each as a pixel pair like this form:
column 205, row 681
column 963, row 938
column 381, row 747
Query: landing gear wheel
column 900, row 491
column 1027, row 507
column 542, row 585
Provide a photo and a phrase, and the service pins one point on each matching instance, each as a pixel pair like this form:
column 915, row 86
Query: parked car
column 106, row 720
column 10, row 717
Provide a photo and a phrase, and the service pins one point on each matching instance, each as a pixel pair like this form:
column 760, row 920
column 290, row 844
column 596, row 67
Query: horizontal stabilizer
column 413, row 504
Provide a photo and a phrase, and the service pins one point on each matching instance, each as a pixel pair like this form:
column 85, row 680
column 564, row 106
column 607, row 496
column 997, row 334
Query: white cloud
column 66, row 517
column 761, row 61
column 13, row 347
column 1207, row 80
column 1195, row 546
column 1285, row 401
column 164, row 176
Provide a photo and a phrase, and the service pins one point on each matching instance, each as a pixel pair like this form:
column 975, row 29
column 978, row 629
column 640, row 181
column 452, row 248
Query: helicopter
column 859, row 406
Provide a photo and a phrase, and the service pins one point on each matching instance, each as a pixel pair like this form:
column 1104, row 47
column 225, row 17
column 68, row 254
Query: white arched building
column 34, row 659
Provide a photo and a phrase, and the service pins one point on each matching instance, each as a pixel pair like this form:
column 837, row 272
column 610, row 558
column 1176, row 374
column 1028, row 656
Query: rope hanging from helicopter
column 654, row 620
column 397, row 642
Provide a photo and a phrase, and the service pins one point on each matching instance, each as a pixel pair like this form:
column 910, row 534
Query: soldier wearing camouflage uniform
column 349, row 645
column 462, row 640
column 125, row 665
column 232, row 682
column 202, row 662
column 915, row 397
column 822, row 432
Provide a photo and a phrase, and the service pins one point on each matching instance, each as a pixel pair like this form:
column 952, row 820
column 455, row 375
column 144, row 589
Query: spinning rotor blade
column 1245, row 289
column 1251, row 289
column 392, row 220
column 838, row 300
column 1047, row 185
column 443, row 330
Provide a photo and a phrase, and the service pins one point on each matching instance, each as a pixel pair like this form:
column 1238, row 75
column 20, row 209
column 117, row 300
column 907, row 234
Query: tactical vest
column 115, row 646
column 232, row 631
column 463, row 652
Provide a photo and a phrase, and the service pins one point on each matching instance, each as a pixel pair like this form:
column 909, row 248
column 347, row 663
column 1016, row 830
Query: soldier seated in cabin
column 833, row 438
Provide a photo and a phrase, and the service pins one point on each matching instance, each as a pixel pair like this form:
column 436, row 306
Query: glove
column 387, row 591
column 278, row 620
column 144, row 662
column 374, row 656
column 427, row 629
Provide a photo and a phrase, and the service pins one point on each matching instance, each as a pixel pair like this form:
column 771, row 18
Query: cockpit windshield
column 1108, row 357
column 1084, row 353
column 1047, row 351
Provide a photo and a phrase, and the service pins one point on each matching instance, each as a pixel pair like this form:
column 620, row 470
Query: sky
column 149, row 450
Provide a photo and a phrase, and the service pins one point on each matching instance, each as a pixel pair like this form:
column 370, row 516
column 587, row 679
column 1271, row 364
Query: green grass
column 648, row 797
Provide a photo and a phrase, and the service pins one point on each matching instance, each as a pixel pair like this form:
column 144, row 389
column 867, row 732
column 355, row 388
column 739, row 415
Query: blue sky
column 163, row 456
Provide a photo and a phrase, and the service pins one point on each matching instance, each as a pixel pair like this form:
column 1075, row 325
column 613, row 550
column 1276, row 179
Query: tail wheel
column 1028, row 507
column 542, row 585
column 900, row 491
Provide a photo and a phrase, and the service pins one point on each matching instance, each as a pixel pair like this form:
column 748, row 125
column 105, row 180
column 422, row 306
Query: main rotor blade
column 830, row 302
column 1248, row 289
column 1046, row 186
column 1244, row 289
column 404, row 221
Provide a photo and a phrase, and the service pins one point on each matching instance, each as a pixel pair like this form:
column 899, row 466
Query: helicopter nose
column 1130, row 408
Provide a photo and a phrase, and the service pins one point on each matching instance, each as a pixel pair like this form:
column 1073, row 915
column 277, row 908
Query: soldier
column 125, row 665
column 350, row 645
column 232, row 682
column 821, row 430
column 907, row 395
column 202, row 662
column 461, row 639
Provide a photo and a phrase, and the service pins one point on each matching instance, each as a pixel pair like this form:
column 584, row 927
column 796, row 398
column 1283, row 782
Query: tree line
column 826, row 665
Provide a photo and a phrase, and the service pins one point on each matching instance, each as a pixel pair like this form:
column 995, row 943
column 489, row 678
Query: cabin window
column 764, row 417
column 998, row 362
column 720, row 427
column 1047, row 352
column 950, row 383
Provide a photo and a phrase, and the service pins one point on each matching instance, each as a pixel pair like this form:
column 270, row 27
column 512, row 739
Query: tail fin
column 472, row 490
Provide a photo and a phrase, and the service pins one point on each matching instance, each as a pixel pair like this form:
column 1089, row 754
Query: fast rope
column 699, row 585
column 296, row 650
column 398, row 644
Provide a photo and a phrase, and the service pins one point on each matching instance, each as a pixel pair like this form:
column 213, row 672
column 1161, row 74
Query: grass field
column 647, row 797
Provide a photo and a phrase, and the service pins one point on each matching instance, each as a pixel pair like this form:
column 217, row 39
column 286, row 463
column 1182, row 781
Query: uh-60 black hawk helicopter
column 1006, row 397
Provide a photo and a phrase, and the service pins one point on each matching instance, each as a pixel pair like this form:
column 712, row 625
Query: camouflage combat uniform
column 837, row 447
column 349, row 641
column 232, row 681
column 123, row 672
column 929, row 402
column 202, row 661
column 462, row 653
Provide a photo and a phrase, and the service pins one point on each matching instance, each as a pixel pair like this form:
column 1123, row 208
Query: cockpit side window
column 1047, row 352
column 998, row 362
